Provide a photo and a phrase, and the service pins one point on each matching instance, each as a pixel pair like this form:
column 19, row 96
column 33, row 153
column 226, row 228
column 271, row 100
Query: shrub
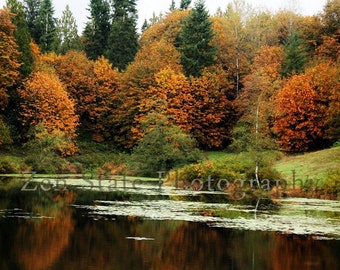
column 332, row 183
column 163, row 147
column 230, row 167
column 9, row 165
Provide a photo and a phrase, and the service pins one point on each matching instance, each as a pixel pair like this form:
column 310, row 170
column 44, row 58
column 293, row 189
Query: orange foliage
column 76, row 73
column 138, row 77
column 93, row 85
column 102, row 110
column 212, row 115
column 262, row 83
column 200, row 107
column 45, row 100
column 329, row 49
column 304, row 105
column 9, row 57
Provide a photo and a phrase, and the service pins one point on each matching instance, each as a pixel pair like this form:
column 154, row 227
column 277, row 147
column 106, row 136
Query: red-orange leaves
column 211, row 115
column 303, row 108
column 45, row 101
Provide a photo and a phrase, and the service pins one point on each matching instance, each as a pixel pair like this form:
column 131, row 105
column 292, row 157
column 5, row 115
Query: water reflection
column 55, row 235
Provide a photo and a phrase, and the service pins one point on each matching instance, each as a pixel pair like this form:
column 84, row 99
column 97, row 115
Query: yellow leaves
column 167, row 28
column 45, row 100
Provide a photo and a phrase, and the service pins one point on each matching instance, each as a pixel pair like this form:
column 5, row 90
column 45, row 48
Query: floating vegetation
column 295, row 216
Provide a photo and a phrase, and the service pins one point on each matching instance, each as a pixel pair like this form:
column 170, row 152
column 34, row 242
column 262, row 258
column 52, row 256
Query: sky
column 146, row 8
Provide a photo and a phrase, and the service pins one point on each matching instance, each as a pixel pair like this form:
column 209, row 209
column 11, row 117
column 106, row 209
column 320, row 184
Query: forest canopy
column 218, row 78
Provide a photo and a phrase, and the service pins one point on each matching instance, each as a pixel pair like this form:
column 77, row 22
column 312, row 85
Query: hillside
column 315, row 165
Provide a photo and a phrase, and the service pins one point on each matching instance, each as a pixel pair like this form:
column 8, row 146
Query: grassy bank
column 313, row 165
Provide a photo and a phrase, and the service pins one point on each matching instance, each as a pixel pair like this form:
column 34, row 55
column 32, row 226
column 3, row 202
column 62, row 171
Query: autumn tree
column 331, row 17
column 329, row 50
column 194, row 41
column 156, row 52
column 9, row 60
column 103, row 110
column 67, row 33
column 135, row 82
column 45, row 101
column 123, row 39
column 304, row 106
column 171, row 96
column 199, row 107
column 212, row 114
column 255, row 104
column 75, row 71
column 97, row 29
column 94, row 88
column 234, row 50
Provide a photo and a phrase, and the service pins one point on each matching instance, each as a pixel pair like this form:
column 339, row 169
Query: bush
column 230, row 167
column 51, row 163
column 162, row 148
column 9, row 165
column 332, row 183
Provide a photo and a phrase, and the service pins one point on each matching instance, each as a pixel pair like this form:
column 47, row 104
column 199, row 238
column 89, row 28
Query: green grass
column 314, row 165
column 216, row 155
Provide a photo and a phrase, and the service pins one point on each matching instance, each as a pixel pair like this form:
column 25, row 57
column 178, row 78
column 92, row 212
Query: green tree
column 185, row 4
column 163, row 147
column 22, row 36
column 67, row 33
column 172, row 6
column 43, row 149
column 32, row 8
column 295, row 55
column 194, row 41
column 123, row 38
column 46, row 24
column 97, row 29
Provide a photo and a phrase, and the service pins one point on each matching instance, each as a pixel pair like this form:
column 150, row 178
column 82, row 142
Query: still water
column 100, row 230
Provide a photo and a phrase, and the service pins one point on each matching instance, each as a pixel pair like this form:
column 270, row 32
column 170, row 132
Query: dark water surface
column 65, row 230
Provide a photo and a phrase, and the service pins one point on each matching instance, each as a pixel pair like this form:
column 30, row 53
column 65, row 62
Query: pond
column 153, row 228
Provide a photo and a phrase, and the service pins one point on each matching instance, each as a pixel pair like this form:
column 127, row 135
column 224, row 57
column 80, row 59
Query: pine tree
column 194, row 41
column 46, row 24
column 123, row 38
column 295, row 55
column 172, row 6
column 32, row 8
column 67, row 33
column 185, row 4
column 145, row 25
column 97, row 29
column 22, row 36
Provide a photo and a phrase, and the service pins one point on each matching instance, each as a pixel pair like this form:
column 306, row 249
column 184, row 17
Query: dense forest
column 241, row 78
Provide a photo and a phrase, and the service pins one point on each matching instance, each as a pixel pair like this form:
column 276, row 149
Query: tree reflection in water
column 58, row 236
